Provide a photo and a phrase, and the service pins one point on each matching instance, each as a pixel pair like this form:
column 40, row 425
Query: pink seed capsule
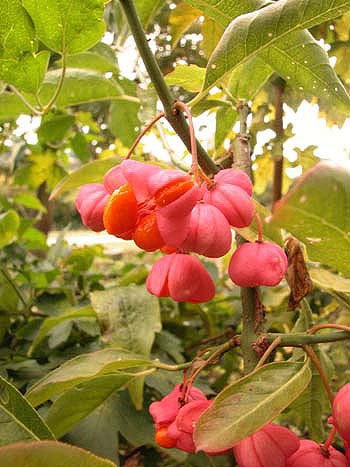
column 259, row 263
column 90, row 203
column 268, row 447
column 181, row 277
column 341, row 412
column 310, row 454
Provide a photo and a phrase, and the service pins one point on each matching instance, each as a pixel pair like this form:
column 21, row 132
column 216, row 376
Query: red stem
column 181, row 106
column 317, row 327
column 143, row 132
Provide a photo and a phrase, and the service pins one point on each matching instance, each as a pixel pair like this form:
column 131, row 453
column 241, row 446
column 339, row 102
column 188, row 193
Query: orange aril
column 120, row 213
column 172, row 192
column 168, row 250
column 147, row 235
column 163, row 439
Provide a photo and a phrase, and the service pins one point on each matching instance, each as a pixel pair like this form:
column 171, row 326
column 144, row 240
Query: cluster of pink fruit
column 167, row 210
column 175, row 418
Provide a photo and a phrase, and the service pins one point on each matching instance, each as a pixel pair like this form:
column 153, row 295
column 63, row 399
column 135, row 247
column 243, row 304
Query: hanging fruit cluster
column 176, row 415
column 169, row 210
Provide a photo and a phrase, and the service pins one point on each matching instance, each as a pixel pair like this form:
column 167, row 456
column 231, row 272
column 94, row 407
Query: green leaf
column 92, row 172
column 99, row 431
column 224, row 11
column 249, row 77
column 79, row 87
column 26, row 74
column 211, row 32
column 67, row 27
column 316, row 211
column 80, row 147
column 124, row 122
column 225, row 119
column 82, row 368
column 327, row 280
column 92, row 60
column 52, row 453
column 249, row 403
column 76, row 403
column 9, row 223
column 181, row 18
column 189, row 77
column 130, row 317
column 16, row 30
column 270, row 232
column 13, row 429
column 29, row 201
column 264, row 29
column 147, row 9
column 304, row 64
column 13, row 401
column 49, row 324
column 54, row 127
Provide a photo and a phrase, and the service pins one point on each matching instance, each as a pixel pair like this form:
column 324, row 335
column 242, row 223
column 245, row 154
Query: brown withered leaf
column 297, row 274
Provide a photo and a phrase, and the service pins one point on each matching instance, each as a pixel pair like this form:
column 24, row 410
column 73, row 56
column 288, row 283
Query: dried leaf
column 297, row 274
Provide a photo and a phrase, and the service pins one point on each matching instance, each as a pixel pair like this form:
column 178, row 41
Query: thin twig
column 55, row 95
column 274, row 344
column 25, row 102
column 318, row 327
column 181, row 106
column 143, row 132
column 310, row 351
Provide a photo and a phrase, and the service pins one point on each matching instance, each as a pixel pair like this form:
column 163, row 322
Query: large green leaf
column 249, row 403
column 26, row 74
column 277, row 38
column 224, row 11
column 76, row 403
column 265, row 28
column 12, row 429
column 67, row 27
column 79, row 87
column 19, row 63
column 92, row 172
column 83, row 368
column 189, row 77
column 181, row 18
column 129, row 317
column 50, row 323
column 327, row 280
column 17, row 405
column 249, row 77
column 303, row 63
column 9, row 223
column 99, row 431
column 49, row 453
column 316, row 211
